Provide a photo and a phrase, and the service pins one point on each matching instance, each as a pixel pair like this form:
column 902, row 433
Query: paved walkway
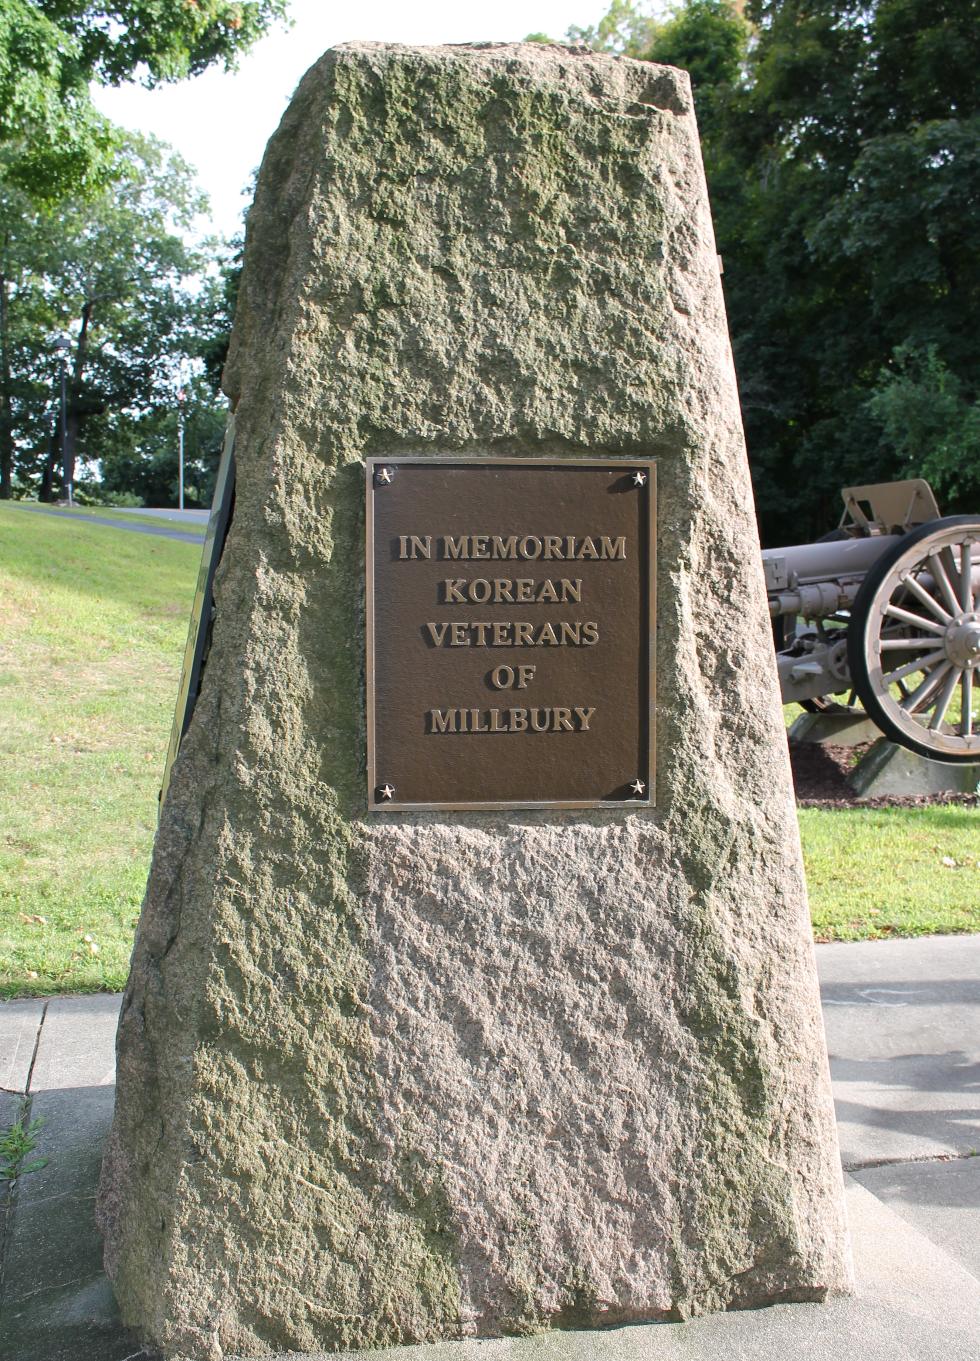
column 903, row 1029
column 75, row 517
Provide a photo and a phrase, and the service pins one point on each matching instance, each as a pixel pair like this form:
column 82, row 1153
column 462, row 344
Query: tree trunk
column 72, row 426
column 75, row 412
column 46, row 490
column 6, row 415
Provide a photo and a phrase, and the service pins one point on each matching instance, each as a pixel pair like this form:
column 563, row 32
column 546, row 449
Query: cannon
column 884, row 613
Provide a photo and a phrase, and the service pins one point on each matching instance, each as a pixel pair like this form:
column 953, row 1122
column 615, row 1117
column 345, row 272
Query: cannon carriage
column 884, row 614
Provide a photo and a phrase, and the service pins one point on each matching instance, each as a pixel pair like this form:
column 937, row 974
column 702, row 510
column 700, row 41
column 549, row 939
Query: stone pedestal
column 385, row 1078
column 841, row 730
column 888, row 769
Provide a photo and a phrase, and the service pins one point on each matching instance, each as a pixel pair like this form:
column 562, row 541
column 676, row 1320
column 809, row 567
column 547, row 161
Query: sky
column 220, row 122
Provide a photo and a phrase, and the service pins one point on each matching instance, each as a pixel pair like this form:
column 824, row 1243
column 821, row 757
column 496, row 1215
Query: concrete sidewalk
column 903, row 1029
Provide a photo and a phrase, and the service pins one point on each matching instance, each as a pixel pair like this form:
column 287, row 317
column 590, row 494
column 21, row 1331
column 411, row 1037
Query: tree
column 114, row 274
column 54, row 141
column 624, row 29
column 920, row 406
column 709, row 39
column 842, row 149
column 51, row 136
column 139, row 449
column 848, row 212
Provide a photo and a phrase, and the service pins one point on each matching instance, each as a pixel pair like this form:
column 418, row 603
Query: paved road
column 903, row 1028
column 197, row 517
column 161, row 531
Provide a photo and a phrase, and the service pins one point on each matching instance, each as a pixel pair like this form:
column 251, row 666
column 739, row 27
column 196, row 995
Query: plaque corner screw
column 383, row 476
column 637, row 788
column 386, row 792
column 639, row 478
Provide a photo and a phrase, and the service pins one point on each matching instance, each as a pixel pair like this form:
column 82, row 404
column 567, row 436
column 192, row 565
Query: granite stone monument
column 473, row 991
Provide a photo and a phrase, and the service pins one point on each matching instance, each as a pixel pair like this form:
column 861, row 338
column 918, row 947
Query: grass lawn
column 92, row 630
column 876, row 872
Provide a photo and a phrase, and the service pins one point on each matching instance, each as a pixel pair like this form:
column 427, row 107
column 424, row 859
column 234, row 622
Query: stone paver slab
column 939, row 1199
column 19, row 1025
column 10, row 1106
column 75, row 1123
column 903, row 1032
column 54, row 1243
column 77, row 1047
column 77, row 1322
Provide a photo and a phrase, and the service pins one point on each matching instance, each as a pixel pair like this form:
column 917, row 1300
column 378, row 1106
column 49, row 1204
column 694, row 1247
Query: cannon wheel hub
column 963, row 640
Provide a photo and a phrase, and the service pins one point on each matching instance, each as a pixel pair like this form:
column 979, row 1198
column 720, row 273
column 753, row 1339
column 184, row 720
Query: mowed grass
column 877, row 872
column 92, row 630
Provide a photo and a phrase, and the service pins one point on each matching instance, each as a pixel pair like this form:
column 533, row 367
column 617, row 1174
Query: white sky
column 221, row 123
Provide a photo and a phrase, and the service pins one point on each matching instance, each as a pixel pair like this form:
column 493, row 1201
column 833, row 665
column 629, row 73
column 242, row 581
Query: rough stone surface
column 442, row 1075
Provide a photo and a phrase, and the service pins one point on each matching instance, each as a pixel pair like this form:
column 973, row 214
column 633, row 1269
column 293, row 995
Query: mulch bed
column 820, row 776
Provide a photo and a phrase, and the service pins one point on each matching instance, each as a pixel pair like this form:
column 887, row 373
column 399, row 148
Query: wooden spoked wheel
column 914, row 640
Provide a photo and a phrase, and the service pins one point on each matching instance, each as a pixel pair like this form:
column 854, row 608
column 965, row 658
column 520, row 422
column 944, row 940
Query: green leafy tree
column 709, row 39
column 216, row 312
column 26, row 313
column 54, row 141
column 624, row 28
column 52, row 138
column 846, row 184
column 924, row 414
column 842, row 148
column 113, row 274
column 139, row 449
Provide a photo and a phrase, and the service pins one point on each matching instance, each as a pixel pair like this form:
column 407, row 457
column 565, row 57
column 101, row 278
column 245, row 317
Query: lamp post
column 63, row 348
column 181, row 395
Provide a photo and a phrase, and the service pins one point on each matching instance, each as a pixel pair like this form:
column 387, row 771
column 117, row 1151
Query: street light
column 63, row 348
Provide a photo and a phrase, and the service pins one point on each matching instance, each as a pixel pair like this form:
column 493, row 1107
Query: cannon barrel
column 826, row 577
column 818, row 579
column 890, row 618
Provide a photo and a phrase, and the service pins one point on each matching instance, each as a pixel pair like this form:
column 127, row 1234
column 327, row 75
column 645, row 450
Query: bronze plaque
column 510, row 621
